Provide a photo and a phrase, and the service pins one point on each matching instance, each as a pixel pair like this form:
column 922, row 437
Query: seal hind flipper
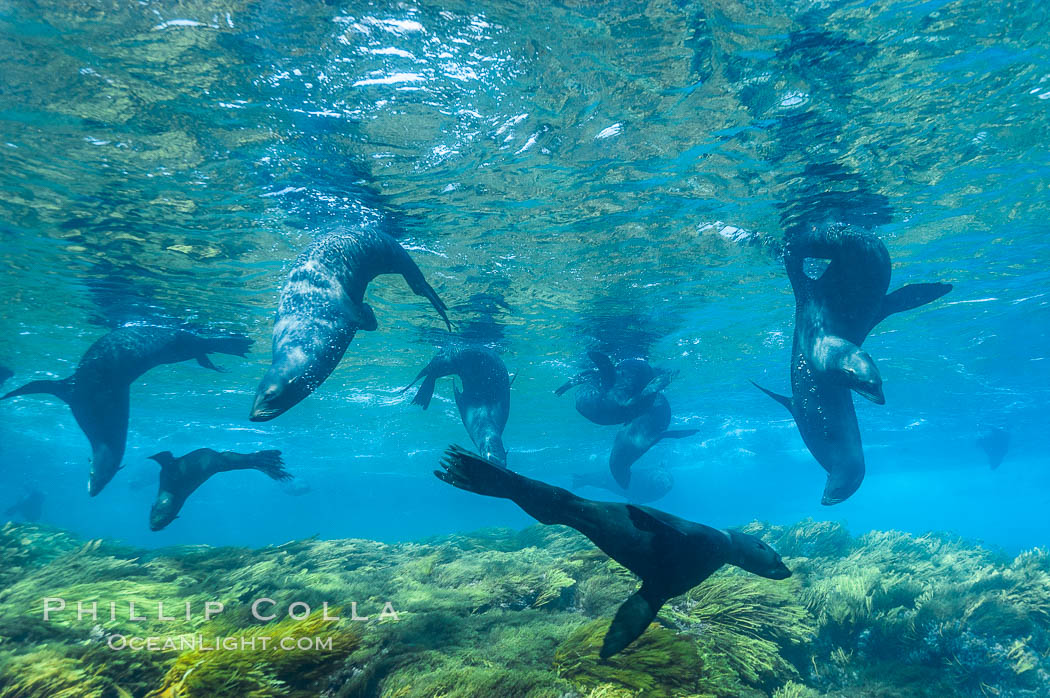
column 62, row 389
column 606, row 369
column 910, row 297
column 472, row 473
column 631, row 620
column 782, row 399
column 270, row 463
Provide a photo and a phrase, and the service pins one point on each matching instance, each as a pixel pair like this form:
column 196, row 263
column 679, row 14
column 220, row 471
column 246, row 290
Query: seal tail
column 270, row 462
column 62, row 389
column 631, row 620
column 472, row 473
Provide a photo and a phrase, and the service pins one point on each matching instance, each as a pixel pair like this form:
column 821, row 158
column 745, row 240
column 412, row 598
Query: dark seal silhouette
column 615, row 394
column 648, row 484
column 671, row 555
column 322, row 307
column 28, row 507
column 5, row 373
column 834, row 312
column 639, row 435
column 995, row 442
column 99, row 391
column 180, row 477
column 484, row 401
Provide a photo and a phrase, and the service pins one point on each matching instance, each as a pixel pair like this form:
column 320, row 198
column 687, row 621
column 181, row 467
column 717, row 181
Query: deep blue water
column 609, row 175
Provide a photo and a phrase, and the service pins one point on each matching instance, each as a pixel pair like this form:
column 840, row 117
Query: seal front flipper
column 606, row 369
column 362, row 315
column 631, row 620
column 666, row 535
column 679, row 433
column 62, row 389
column 204, row 361
column 782, row 399
column 659, row 383
column 419, row 285
column 910, row 297
column 426, row 389
column 574, row 381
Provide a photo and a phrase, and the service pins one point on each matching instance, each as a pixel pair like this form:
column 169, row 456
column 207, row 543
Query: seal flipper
column 666, row 535
column 418, row 283
column 631, row 620
column 364, row 317
column 679, row 433
column 573, row 382
column 606, row 369
column 426, row 391
column 472, row 473
column 165, row 458
column 204, row 361
column 269, row 462
column 910, row 297
column 62, row 389
column 782, row 399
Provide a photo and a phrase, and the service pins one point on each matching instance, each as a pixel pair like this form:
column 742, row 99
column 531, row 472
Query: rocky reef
column 505, row 613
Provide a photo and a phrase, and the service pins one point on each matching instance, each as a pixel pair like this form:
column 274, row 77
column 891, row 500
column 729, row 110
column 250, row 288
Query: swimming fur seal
column 29, row 506
column 484, row 402
column 834, row 313
column 180, row 477
column 322, row 307
column 995, row 442
column 648, row 484
column 99, row 391
column 615, row 394
column 641, row 434
column 671, row 555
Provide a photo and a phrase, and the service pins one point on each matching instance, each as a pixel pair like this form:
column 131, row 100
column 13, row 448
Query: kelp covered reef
column 504, row 613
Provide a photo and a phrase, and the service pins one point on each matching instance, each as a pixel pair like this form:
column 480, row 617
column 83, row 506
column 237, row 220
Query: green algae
column 499, row 612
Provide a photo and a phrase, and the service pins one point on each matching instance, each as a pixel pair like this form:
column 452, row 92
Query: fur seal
column 180, row 477
column 647, row 484
column 322, row 307
column 669, row 554
column 641, row 434
column 995, row 442
column 99, row 391
column 616, row 394
column 834, row 313
column 484, row 402
column 29, row 506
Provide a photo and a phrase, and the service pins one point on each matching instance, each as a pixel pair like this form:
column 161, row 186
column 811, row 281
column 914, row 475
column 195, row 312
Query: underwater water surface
column 569, row 177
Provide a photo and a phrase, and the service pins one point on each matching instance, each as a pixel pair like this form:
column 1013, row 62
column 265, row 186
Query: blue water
column 611, row 175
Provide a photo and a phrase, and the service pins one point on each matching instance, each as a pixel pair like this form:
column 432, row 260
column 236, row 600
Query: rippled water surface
column 611, row 175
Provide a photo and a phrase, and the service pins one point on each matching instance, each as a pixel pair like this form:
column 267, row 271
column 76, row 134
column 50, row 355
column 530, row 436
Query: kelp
column 523, row 614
